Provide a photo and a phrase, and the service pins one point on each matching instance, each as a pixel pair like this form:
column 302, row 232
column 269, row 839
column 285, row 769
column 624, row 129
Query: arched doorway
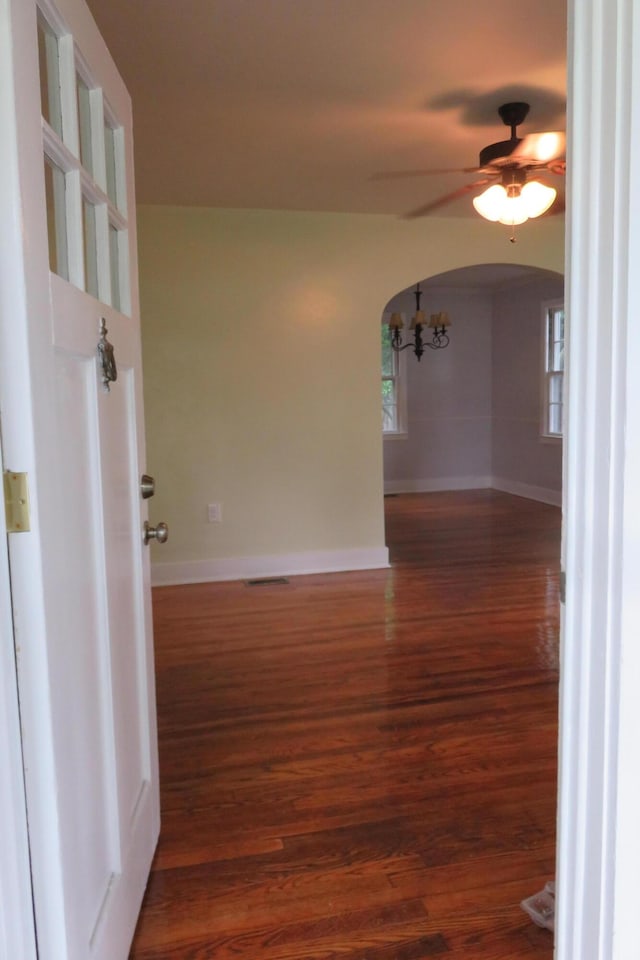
column 470, row 415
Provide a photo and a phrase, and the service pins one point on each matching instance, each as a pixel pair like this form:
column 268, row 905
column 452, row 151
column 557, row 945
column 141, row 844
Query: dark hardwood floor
column 362, row 766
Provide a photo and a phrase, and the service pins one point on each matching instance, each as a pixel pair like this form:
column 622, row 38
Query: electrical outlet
column 214, row 512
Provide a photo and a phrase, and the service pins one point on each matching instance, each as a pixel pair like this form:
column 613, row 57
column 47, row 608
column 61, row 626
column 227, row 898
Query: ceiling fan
column 511, row 169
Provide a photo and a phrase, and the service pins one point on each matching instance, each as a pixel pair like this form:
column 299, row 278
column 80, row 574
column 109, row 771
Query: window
column 393, row 386
column 553, row 376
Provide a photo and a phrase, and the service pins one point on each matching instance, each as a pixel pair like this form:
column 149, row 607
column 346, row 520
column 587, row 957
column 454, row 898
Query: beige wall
column 261, row 366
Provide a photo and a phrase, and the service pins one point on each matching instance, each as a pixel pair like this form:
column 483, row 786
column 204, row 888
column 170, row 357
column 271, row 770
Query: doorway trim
column 599, row 790
column 599, row 828
column 17, row 933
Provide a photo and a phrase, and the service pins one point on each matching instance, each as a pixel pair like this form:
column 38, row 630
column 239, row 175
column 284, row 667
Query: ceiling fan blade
column 447, row 198
column 541, row 148
column 557, row 166
column 402, row 174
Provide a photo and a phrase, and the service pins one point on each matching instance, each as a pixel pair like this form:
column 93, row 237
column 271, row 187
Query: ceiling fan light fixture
column 514, row 212
column 491, row 201
column 537, row 197
column 514, row 204
column 513, row 199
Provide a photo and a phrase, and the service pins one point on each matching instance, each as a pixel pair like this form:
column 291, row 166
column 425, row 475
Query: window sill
column 548, row 438
column 396, row 435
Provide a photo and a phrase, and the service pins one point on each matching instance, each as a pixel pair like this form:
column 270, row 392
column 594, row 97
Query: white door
column 80, row 577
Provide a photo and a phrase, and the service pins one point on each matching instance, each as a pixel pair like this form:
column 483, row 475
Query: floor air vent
column 266, row 581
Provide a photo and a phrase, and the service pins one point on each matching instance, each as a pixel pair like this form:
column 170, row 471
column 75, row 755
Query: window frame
column 549, row 374
column 85, row 185
column 399, row 378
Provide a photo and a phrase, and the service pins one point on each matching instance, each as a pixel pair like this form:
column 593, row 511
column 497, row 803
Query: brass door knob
column 160, row 533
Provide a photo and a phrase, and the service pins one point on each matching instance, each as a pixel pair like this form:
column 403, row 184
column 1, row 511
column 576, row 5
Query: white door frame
column 599, row 824
column 17, row 934
column 28, row 445
column 599, row 794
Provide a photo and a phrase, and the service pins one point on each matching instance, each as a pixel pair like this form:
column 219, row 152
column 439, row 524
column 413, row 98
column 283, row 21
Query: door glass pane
column 49, row 75
column 84, row 122
column 55, row 190
column 114, row 259
column 90, row 248
column 111, row 160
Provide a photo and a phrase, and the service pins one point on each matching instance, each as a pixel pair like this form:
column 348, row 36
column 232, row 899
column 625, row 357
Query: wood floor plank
column 362, row 766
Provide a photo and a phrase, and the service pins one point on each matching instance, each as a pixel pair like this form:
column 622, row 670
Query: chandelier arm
column 439, row 340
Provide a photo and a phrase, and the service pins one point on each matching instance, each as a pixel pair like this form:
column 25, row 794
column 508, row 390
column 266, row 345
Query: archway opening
column 472, row 416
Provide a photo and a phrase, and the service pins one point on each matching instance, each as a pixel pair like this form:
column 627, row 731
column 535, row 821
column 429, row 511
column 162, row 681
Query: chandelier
column 437, row 323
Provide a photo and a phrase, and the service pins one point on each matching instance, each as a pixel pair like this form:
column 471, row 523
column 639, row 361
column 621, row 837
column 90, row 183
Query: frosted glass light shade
column 537, row 197
column 514, row 211
column 496, row 205
column 489, row 204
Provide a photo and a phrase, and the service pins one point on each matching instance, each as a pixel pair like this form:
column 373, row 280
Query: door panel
column 124, row 562
column 81, row 577
column 82, row 686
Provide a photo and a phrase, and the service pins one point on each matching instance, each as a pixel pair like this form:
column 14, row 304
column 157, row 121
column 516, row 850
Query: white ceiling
column 295, row 104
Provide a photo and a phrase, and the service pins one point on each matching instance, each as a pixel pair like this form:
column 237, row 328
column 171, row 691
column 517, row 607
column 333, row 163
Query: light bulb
column 513, row 211
column 537, row 197
column 489, row 204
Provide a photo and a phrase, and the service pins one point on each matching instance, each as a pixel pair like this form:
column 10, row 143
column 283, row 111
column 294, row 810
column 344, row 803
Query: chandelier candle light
column 438, row 322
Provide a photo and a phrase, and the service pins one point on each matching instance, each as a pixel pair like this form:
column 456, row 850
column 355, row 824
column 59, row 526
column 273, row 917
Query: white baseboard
column 543, row 494
column 433, row 485
column 276, row 565
column 531, row 492
column 333, row 561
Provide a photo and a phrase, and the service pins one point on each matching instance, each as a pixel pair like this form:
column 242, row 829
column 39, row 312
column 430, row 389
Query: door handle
column 160, row 533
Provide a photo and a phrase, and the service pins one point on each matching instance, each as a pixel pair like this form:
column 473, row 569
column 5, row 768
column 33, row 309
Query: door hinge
column 563, row 586
column 16, row 502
